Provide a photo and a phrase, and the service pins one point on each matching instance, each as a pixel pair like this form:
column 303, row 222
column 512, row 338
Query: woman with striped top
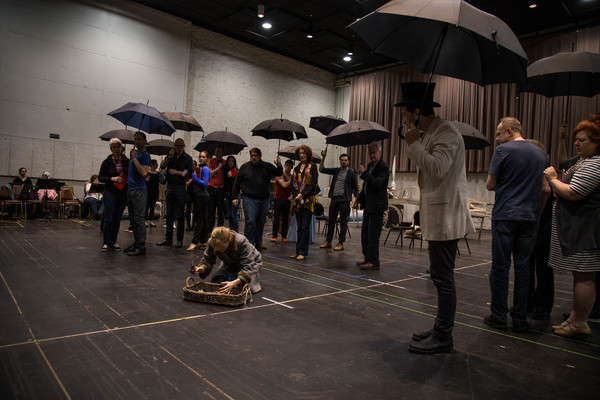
column 575, row 244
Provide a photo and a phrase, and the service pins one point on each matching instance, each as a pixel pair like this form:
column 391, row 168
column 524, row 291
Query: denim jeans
column 94, row 203
column 255, row 212
column 114, row 205
column 233, row 214
column 136, row 199
column 175, row 196
column 442, row 255
column 516, row 239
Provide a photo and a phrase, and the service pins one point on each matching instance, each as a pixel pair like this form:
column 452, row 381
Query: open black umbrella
column 355, row 133
column 279, row 128
column 144, row 118
column 325, row 123
column 473, row 138
column 183, row 121
column 231, row 143
column 290, row 152
column 124, row 135
column 160, row 147
column 446, row 37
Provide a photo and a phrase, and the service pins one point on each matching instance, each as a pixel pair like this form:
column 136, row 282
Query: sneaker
column 285, row 240
column 489, row 320
column 114, row 247
column 273, row 239
column 138, row 251
column 104, row 247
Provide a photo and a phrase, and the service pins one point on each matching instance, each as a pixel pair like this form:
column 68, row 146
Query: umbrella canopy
column 124, row 135
column 325, row 123
column 473, row 138
column 183, row 121
column 565, row 74
column 358, row 132
column 279, row 128
column 290, row 152
column 447, row 37
column 144, row 118
column 231, row 143
column 160, row 147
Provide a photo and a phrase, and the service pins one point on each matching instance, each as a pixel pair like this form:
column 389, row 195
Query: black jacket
column 373, row 197
column 108, row 170
column 255, row 180
column 350, row 184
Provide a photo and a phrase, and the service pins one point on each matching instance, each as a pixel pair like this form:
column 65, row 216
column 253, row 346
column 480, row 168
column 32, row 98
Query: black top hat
column 413, row 95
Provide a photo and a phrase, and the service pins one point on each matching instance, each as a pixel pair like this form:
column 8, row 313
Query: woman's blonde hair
column 220, row 237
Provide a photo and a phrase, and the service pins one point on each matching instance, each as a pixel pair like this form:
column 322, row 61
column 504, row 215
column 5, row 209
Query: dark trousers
column 136, row 199
column 188, row 205
column 216, row 207
column 150, row 203
column 114, row 205
column 175, row 196
column 303, row 219
column 442, row 255
column 201, row 229
column 369, row 236
column 516, row 238
column 233, row 214
column 281, row 214
column 541, row 275
column 342, row 207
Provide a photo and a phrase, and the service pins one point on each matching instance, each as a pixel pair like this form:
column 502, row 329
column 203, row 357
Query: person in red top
column 216, row 189
column 282, row 201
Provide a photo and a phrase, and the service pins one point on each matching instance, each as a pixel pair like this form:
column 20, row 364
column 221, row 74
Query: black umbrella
column 124, row 135
column 357, row 132
column 144, row 118
column 473, row 138
column 231, row 143
column 325, row 123
column 183, row 121
column 290, row 152
column 279, row 128
column 446, row 37
column 160, row 147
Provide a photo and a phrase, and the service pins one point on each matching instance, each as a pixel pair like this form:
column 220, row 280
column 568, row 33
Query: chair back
column 4, row 193
column 393, row 217
column 66, row 193
column 17, row 190
column 319, row 210
column 417, row 218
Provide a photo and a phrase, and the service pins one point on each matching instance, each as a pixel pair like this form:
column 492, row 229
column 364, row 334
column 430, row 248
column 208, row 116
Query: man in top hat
column 438, row 150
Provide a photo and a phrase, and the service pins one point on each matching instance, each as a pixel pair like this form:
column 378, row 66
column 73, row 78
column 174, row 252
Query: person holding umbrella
column 179, row 168
column 254, row 181
column 305, row 186
column 445, row 217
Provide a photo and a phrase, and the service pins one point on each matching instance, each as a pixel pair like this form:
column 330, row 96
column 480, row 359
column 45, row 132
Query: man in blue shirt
column 137, row 192
column 516, row 175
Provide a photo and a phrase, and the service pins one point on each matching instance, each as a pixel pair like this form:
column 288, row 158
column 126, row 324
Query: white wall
column 65, row 64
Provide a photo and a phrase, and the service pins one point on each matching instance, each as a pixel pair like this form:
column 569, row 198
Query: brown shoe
column 261, row 246
column 294, row 256
column 339, row 247
column 300, row 257
column 360, row 263
column 192, row 247
column 326, row 245
column 368, row 266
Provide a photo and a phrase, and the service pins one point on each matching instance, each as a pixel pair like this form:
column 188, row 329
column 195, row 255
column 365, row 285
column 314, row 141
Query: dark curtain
column 372, row 97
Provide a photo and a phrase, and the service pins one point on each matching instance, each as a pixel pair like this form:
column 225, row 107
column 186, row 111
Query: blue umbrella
column 144, row 118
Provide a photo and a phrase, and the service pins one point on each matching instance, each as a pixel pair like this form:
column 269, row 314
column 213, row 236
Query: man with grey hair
column 516, row 175
column 374, row 202
column 438, row 150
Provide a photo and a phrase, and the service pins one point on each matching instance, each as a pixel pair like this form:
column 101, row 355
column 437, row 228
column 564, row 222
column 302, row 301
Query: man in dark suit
column 373, row 200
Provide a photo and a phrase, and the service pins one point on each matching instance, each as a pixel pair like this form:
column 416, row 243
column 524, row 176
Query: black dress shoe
column 418, row 336
column 165, row 243
column 431, row 345
column 520, row 326
column 359, row 263
column 179, row 245
column 491, row 321
column 540, row 315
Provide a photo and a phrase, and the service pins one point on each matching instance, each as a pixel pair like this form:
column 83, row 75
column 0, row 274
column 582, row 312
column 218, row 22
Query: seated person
column 22, row 179
column 94, row 200
column 236, row 261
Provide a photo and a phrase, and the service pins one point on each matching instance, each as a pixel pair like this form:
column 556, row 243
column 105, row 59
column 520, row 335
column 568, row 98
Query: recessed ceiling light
column 267, row 25
column 350, row 53
column 347, row 58
column 532, row 5
column 310, row 36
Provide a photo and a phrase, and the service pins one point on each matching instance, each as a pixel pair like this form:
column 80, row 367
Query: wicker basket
column 206, row 292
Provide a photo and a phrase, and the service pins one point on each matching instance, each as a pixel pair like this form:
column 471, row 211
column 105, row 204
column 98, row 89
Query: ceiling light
column 347, row 58
column 532, row 5
column 310, row 36
column 267, row 25
column 261, row 11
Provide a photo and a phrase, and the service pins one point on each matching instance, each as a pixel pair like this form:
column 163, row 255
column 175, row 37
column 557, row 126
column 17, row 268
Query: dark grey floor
column 78, row 323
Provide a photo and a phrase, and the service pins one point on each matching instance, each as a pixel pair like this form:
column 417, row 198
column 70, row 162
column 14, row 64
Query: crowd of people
column 541, row 220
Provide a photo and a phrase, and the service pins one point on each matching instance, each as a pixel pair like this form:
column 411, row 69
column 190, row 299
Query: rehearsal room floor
column 77, row 323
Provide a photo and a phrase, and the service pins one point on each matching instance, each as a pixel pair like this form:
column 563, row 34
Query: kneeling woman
column 235, row 260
